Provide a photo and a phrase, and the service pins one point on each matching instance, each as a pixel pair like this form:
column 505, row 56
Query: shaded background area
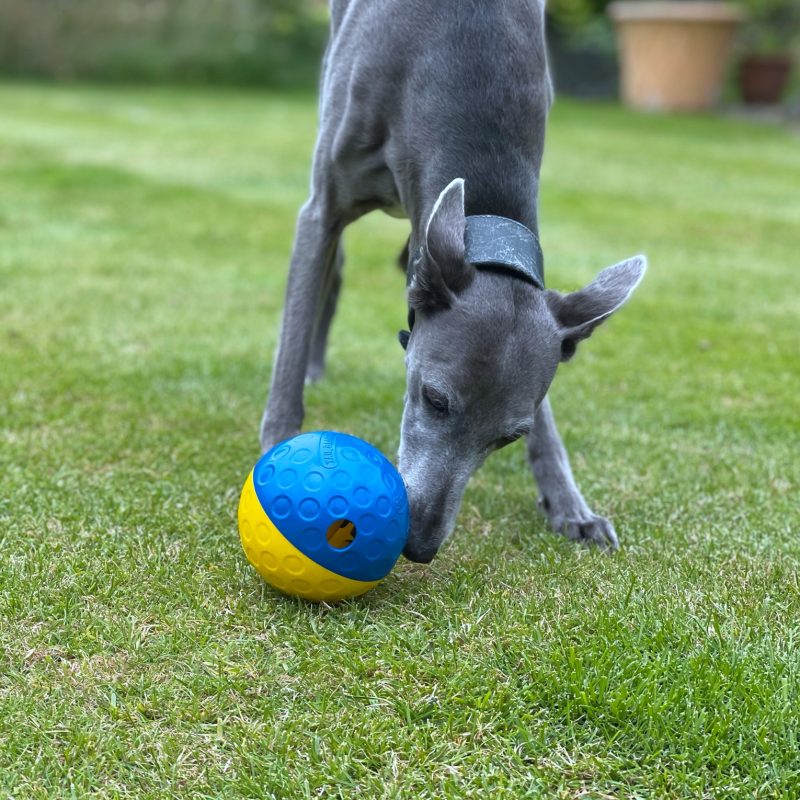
column 278, row 43
column 248, row 42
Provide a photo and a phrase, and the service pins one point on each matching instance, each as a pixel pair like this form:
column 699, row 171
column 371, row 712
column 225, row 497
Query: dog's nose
column 419, row 554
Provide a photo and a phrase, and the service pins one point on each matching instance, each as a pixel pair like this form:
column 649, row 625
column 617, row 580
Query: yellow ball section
column 281, row 564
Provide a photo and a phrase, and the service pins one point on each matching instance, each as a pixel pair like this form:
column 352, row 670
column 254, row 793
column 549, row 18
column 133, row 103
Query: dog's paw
column 591, row 530
column 582, row 526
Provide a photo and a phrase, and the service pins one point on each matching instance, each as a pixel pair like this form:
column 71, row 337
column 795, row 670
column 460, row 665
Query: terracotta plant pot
column 674, row 55
column 763, row 79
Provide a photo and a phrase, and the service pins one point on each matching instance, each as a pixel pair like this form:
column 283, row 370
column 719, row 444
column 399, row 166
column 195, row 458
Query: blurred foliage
column 270, row 42
column 575, row 14
column 580, row 24
column 772, row 26
column 266, row 42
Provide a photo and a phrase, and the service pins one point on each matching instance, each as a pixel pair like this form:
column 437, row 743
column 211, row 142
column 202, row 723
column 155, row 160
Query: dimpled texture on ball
column 281, row 564
column 307, row 483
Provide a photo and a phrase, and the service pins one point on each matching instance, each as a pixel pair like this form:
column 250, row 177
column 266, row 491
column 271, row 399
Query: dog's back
column 448, row 83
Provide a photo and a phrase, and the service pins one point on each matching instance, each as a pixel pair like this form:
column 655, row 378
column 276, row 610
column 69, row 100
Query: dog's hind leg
column 313, row 257
column 326, row 311
column 559, row 497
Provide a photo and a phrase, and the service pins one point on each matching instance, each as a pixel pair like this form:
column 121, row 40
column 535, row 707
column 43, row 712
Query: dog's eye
column 436, row 400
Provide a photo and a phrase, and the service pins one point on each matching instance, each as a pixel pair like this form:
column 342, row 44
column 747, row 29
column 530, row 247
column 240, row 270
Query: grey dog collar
column 501, row 244
column 505, row 245
column 494, row 243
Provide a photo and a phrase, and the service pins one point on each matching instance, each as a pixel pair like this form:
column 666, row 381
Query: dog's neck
column 500, row 185
column 500, row 194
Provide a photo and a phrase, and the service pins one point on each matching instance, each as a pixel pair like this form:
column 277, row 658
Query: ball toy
column 323, row 516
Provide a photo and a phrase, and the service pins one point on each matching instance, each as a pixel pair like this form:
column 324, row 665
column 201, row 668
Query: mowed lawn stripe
column 144, row 238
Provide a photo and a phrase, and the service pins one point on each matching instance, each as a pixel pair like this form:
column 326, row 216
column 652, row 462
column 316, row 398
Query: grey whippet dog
column 437, row 109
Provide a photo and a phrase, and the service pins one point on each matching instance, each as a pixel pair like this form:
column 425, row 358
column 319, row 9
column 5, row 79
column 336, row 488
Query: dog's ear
column 579, row 313
column 441, row 271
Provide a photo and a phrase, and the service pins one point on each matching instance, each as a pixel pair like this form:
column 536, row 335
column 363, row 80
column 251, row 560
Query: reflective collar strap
column 505, row 245
column 496, row 243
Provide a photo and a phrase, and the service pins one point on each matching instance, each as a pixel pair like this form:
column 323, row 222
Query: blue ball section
column 307, row 483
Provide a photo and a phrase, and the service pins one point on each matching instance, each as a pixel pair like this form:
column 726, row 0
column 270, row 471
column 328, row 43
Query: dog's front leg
column 559, row 497
column 315, row 243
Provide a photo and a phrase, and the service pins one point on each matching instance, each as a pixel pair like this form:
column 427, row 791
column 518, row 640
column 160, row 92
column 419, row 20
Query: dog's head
column 480, row 360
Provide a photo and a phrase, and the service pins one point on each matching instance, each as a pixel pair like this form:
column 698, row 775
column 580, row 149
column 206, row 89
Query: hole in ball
column 341, row 534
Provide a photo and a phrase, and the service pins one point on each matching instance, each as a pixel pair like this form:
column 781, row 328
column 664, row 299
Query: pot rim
column 694, row 11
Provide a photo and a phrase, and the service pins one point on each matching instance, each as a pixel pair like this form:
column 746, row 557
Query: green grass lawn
column 144, row 237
